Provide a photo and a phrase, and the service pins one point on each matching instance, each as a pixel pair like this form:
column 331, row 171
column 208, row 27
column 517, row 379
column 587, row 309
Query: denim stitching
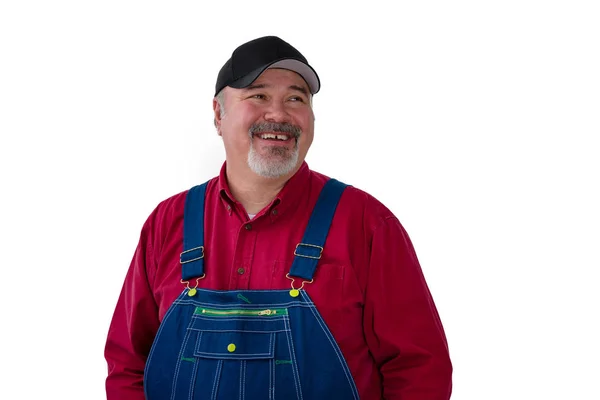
column 336, row 349
column 271, row 321
column 230, row 319
column 294, row 365
column 238, row 318
column 272, row 369
column 176, row 374
column 234, row 356
column 221, row 356
column 241, row 380
column 245, row 365
column 238, row 330
column 193, row 381
column 217, row 291
column 213, row 396
column 271, row 379
column 153, row 347
column 255, row 306
column 197, row 346
column 286, row 304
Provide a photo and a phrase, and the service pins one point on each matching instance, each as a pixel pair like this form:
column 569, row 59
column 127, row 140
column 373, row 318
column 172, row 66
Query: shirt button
column 248, row 227
column 241, row 271
column 274, row 212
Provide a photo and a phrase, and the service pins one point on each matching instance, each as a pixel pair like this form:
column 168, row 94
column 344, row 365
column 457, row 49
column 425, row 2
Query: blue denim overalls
column 250, row 344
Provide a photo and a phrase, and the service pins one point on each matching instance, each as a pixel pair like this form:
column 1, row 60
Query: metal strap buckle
column 308, row 245
column 201, row 248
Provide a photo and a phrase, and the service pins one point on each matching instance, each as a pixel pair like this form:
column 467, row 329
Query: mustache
column 262, row 127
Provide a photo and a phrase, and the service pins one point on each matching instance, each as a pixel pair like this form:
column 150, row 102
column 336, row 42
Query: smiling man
column 267, row 127
column 273, row 281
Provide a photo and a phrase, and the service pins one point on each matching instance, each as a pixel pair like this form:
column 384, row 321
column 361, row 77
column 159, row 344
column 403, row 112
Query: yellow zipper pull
column 266, row 312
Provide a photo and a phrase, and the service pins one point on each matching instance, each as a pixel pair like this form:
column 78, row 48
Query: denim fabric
column 215, row 345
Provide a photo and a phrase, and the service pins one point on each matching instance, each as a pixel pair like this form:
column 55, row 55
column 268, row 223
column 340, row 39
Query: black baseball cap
column 251, row 59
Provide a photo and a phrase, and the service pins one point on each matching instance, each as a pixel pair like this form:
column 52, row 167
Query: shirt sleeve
column 401, row 323
column 133, row 327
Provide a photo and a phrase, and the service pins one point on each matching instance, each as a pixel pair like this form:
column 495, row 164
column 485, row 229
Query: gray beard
column 279, row 162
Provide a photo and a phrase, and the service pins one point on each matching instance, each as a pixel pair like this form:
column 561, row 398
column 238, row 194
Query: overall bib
column 248, row 344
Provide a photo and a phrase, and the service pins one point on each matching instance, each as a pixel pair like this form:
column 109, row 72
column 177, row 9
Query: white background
column 476, row 122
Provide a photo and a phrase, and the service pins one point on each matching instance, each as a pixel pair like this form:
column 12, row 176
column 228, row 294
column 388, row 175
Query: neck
column 254, row 192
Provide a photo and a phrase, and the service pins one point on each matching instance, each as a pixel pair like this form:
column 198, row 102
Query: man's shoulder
column 373, row 209
column 358, row 202
column 173, row 206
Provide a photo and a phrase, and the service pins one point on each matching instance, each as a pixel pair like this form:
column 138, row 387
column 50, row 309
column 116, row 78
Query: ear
column 217, row 116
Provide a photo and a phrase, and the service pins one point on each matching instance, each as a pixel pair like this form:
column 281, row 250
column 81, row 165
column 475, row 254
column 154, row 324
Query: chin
column 272, row 168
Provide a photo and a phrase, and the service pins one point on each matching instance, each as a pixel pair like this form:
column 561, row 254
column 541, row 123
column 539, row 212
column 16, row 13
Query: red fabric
column 368, row 287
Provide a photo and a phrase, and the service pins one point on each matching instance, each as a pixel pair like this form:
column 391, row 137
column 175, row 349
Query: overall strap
column 308, row 253
column 192, row 257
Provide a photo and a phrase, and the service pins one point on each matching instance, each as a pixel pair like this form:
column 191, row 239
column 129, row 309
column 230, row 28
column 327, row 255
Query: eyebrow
column 251, row 87
column 300, row 89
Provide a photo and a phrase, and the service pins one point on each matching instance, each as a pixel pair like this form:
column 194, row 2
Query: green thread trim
column 232, row 312
column 243, row 298
column 188, row 359
column 279, row 362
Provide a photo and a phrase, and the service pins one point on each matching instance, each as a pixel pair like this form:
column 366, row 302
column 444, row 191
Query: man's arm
column 132, row 329
column 401, row 323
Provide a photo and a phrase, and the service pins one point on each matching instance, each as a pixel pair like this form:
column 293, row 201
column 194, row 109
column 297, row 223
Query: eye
column 258, row 96
column 297, row 98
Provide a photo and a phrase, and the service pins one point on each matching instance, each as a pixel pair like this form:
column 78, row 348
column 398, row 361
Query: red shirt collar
column 286, row 199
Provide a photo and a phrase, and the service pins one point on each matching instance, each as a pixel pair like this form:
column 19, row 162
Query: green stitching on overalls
column 240, row 296
column 188, row 359
column 227, row 313
column 279, row 362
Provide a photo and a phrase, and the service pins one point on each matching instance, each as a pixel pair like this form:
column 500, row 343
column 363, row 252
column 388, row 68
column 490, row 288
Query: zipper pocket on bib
column 226, row 313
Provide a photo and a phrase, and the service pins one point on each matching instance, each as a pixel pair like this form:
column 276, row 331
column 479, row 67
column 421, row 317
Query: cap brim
column 302, row 69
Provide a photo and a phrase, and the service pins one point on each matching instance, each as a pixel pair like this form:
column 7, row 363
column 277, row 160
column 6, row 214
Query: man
column 272, row 281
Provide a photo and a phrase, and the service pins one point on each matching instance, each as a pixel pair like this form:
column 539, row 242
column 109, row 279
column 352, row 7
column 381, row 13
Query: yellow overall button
column 294, row 292
column 192, row 292
column 231, row 348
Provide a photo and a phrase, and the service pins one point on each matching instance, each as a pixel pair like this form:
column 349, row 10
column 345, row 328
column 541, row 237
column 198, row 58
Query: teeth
column 273, row 136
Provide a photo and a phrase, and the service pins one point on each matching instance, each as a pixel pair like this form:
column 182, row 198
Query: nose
column 276, row 112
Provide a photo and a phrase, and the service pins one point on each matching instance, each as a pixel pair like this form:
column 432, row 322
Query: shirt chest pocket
column 335, row 292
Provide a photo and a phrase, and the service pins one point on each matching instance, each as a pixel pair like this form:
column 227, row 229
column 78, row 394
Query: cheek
column 304, row 118
column 307, row 137
column 235, row 128
column 235, row 134
column 308, row 125
column 241, row 116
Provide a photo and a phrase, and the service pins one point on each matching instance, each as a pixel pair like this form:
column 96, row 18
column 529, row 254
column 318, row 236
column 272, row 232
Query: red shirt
column 368, row 286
